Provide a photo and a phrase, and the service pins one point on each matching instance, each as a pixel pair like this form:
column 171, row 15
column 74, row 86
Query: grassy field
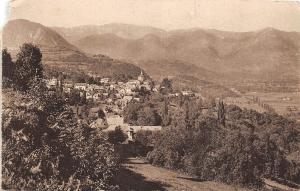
column 279, row 101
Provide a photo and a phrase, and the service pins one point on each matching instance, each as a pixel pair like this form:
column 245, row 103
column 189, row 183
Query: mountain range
column 128, row 31
column 265, row 54
column 61, row 55
column 198, row 54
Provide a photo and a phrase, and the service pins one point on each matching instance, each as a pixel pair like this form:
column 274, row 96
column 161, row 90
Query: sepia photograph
column 150, row 95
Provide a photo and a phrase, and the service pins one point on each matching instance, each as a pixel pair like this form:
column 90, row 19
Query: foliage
column 28, row 66
column 7, row 65
column 44, row 146
column 141, row 114
column 166, row 86
column 250, row 147
column 221, row 113
column 116, row 136
column 146, row 137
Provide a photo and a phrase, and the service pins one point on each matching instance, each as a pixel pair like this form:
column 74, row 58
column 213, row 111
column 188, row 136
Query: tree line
column 225, row 143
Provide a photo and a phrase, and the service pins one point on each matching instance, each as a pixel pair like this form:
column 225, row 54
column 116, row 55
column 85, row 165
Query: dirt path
column 138, row 175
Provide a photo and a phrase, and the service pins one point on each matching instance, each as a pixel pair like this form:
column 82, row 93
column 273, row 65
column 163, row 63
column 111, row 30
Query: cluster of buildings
column 107, row 91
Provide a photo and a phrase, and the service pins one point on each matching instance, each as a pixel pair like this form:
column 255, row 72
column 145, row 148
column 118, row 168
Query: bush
column 28, row 66
column 116, row 136
column 146, row 137
column 44, row 147
column 243, row 152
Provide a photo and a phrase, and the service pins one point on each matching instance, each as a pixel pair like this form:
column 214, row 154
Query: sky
column 227, row 15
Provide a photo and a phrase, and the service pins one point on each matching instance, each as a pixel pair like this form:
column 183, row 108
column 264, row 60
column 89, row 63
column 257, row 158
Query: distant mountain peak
column 16, row 32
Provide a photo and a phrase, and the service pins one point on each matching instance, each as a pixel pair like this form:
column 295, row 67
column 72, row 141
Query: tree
column 74, row 97
column 166, row 86
column 165, row 113
column 45, row 148
column 221, row 113
column 28, row 66
column 7, row 65
column 116, row 136
column 83, row 98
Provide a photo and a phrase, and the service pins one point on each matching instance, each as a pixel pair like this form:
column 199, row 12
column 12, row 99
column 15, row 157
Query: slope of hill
column 185, row 76
column 265, row 54
column 19, row 31
column 53, row 45
column 59, row 54
column 159, row 69
column 121, row 30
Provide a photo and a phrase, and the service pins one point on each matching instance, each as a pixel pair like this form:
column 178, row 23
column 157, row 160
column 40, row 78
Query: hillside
column 54, row 47
column 59, row 54
column 267, row 54
column 159, row 69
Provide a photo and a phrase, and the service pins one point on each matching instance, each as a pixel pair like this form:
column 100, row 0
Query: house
column 104, row 80
column 133, row 129
column 122, row 91
column 127, row 99
column 141, row 77
column 137, row 99
column 96, row 96
column 99, row 123
column 130, row 134
column 80, row 86
column 96, row 112
column 68, row 87
column 52, row 83
column 187, row 93
column 146, row 86
column 132, row 83
column 89, row 95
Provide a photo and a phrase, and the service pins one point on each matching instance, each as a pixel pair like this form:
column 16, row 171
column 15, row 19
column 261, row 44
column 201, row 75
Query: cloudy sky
column 229, row 15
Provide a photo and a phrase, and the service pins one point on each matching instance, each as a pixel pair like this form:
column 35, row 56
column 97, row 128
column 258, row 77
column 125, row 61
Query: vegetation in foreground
column 44, row 146
column 219, row 142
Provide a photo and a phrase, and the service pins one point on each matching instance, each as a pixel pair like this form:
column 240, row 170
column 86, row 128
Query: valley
column 190, row 105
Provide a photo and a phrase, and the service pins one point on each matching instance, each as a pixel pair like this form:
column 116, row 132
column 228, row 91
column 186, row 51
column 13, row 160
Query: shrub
column 28, row 66
column 243, row 152
column 44, row 147
column 116, row 136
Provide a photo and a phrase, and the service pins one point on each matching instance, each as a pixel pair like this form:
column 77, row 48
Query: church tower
column 141, row 77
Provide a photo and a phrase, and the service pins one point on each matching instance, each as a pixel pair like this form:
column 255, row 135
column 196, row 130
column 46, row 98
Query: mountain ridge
column 254, row 53
column 61, row 55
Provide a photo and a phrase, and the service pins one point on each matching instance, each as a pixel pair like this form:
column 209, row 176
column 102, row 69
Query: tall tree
column 166, row 86
column 28, row 66
column 7, row 65
column 221, row 113
column 165, row 113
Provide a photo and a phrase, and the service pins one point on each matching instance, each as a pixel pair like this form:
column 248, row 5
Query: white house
column 80, row 86
column 104, row 80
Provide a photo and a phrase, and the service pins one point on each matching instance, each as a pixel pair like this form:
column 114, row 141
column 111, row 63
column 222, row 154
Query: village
column 104, row 103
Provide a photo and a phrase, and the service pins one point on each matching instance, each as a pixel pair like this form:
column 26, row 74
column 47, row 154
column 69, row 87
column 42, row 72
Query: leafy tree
column 250, row 147
column 7, row 65
column 45, row 148
column 221, row 113
column 28, row 66
column 165, row 113
column 116, row 136
column 74, row 97
column 83, row 98
column 166, row 86
column 131, row 112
